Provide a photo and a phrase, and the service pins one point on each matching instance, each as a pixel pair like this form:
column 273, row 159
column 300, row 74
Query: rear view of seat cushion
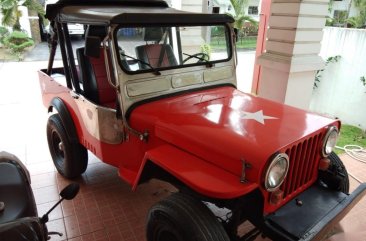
column 95, row 79
column 150, row 53
column 16, row 193
column 106, row 93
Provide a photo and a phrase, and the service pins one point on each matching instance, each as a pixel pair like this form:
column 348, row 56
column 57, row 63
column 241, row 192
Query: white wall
column 340, row 92
column 344, row 5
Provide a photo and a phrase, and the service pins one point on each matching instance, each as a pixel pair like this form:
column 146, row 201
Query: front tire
column 180, row 217
column 336, row 177
column 70, row 159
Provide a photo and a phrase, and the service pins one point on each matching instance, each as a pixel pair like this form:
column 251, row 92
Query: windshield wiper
column 142, row 62
column 209, row 64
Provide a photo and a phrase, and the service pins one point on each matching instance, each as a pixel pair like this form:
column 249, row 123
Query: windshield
column 151, row 48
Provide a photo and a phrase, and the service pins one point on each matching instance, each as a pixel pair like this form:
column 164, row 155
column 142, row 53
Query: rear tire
column 69, row 158
column 336, row 177
column 180, row 217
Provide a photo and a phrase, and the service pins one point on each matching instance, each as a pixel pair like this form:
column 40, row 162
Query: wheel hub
column 61, row 146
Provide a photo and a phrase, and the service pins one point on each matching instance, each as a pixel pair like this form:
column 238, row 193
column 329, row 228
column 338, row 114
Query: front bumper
column 321, row 208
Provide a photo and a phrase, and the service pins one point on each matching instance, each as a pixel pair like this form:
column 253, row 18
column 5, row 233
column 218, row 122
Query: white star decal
column 257, row 116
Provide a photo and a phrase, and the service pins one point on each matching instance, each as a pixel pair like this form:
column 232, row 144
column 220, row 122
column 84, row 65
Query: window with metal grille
column 253, row 10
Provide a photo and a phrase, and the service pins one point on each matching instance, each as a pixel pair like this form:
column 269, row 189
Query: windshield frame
column 229, row 43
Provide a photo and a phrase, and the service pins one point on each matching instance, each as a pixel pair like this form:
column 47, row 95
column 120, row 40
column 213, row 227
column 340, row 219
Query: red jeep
column 153, row 93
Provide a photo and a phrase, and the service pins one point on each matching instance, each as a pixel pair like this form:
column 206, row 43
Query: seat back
column 95, row 79
column 15, row 190
column 150, row 53
column 157, row 55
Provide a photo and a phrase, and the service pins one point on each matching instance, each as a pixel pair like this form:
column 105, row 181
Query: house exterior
column 252, row 10
column 344, row 6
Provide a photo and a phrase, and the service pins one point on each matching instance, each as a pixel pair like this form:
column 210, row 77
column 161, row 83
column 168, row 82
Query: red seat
column 95, row 80
column 150, row 53
column 156, row 54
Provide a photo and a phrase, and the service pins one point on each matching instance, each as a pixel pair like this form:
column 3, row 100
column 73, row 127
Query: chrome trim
column 274, row 162
column 330, row 130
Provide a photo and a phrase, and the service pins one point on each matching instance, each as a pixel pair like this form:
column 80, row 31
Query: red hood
column 223, row 126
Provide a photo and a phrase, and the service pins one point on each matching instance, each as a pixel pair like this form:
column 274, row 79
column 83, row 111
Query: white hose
column 356, row 152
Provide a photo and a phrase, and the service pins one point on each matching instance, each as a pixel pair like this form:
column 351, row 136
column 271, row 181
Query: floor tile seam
column 67, row 234
column 51, row 205
column 55, row 201
column 132, row 229
column 62, row 208
column 89, row 224
column 40, row 173
column 64, row 234
column 11, row 103
column 36, row 188
column 81, row 235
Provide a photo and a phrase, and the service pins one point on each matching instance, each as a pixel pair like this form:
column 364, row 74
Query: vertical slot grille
column 303, row 158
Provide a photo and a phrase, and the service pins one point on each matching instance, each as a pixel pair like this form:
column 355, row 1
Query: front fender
column 197, row 174
column 66, row 118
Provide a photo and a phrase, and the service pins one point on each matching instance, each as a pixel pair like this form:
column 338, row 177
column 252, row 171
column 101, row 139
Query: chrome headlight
column 330, row 141
column 276, row 172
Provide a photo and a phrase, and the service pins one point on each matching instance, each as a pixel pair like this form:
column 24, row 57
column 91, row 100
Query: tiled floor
column 105, row 208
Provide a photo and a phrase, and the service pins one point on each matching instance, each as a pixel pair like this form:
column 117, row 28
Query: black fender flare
column 66, row 119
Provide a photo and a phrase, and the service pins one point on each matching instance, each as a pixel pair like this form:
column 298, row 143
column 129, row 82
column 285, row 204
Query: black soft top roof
column 105, row 12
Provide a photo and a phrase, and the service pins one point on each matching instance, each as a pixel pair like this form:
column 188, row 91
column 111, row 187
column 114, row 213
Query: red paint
column 198, row 174
column 106, row 93
column 202, row 137
column 261, row 41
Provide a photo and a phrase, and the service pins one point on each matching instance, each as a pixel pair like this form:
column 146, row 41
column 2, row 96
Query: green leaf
column 8, row 4
column 8, row 17
column 35, row 6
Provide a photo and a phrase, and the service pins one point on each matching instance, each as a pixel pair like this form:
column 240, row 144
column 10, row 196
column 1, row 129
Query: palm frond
column 360, row 3
column 239, row 6
column 35, row 6
column 8, row 17
column 8, row 4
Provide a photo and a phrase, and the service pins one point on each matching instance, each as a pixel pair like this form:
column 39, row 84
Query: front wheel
column 336, row 177
column 70, row 159
column 180, row 217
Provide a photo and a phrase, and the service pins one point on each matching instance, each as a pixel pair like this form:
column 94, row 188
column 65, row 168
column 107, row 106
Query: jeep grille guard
column 304, row 158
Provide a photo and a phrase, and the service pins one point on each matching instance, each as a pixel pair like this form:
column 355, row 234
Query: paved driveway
column 41, row 51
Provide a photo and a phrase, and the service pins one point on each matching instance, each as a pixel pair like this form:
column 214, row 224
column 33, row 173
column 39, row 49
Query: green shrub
column 17, row 42
column 3, row 33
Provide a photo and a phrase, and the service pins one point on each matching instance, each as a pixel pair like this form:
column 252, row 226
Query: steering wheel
column 202, row 57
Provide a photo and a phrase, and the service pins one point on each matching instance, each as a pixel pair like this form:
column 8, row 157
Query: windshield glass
column 152, row 48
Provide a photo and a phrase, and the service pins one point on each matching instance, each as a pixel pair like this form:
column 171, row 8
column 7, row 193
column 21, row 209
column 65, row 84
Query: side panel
column 197, row 174
column 119, row 154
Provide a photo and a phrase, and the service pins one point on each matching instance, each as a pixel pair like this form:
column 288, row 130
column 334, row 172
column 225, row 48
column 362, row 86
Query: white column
column 192, row 39
column 293, row 44
column 192, row 6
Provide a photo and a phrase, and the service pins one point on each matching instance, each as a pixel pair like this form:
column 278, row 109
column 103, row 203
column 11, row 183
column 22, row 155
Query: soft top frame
column 98, row 12
column 53, row 9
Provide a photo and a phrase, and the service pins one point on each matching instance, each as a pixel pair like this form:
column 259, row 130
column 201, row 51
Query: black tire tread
column 338, row 164
column 76, row 160
column 191, row 213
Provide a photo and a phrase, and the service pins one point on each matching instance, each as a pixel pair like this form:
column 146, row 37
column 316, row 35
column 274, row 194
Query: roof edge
column 53, row 9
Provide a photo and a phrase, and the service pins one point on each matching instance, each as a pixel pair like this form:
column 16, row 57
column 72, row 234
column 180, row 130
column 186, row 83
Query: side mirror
column 70, row 191
column 67, row 193
column 92, row 46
